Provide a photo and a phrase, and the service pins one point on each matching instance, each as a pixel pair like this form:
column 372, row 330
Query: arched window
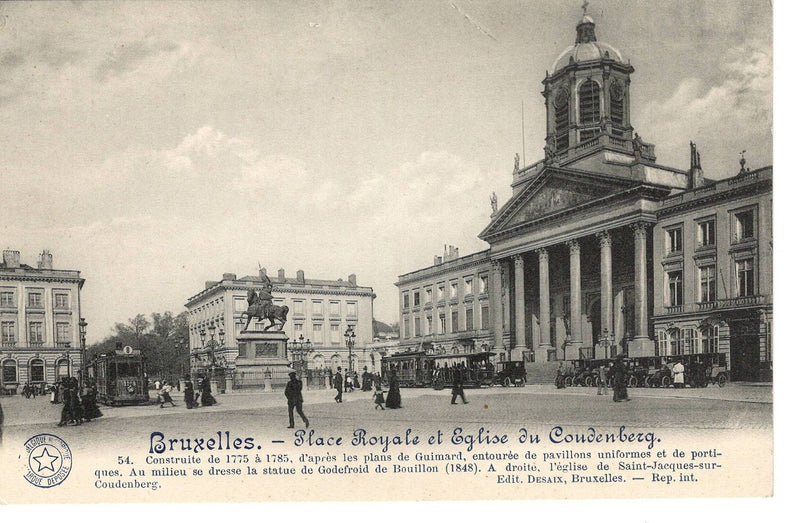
column 36, row 367
column 318, row 362
column 336, row 361
column 561, row 109
column 709, row 337
column 589, row 96
column 62, row 368
column 10, row 371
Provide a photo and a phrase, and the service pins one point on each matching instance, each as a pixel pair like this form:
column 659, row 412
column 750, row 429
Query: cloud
column 125, row 57
column 725, row 117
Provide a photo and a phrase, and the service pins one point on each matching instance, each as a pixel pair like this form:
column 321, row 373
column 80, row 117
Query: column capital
column 496, row 265
column 544, row 255
column 518, row 260
column 604, row 238
column 574, row 246
column 640, row 228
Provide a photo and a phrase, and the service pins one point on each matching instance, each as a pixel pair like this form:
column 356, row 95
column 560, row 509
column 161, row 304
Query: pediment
column 552, row 193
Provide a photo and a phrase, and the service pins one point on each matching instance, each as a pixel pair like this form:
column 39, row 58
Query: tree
column 163, row 339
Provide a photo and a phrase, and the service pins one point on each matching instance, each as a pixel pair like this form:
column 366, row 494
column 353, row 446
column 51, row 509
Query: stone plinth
column 263, row 355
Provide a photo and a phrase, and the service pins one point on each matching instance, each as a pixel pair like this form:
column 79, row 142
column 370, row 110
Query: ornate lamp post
column 605, row 343
column 82, row 326
column 350, row 336
column 211, row 349
column 300, row 348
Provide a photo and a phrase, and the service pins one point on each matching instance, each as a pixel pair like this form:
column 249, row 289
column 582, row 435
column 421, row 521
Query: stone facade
column 601, row 250
column 40, row 315
column 319, row 311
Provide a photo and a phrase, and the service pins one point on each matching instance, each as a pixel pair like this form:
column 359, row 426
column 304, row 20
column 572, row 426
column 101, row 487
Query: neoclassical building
column 319, row 310
column 40, row 321
column 601, row 249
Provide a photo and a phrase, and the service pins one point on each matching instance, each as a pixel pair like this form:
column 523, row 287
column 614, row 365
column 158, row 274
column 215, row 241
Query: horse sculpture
column 261, row 310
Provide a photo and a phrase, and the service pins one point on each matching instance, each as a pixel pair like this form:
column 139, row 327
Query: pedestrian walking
column 206, row 399
column 560, row 377
column 89, row 399
column 294, row 397
column 164, row 396
column 337, row 384
column 188, row 393
column 602, row 380
column 620, row 378
column 458, row 385
column 378, row 395
column 393, row 400
column 366, row 379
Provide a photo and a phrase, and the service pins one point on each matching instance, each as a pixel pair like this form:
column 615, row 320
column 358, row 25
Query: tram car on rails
column 417, row 368
column 121, row 377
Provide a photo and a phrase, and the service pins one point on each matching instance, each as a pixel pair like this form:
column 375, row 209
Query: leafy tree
column 163, row 339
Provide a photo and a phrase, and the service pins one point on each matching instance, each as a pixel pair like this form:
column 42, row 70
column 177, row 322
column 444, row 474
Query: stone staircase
column 541, row 372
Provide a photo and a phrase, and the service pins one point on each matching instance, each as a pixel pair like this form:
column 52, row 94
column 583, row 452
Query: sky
column 154, row 146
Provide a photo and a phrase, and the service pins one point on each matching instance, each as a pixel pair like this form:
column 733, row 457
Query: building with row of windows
column 447, row 304
column 40, row 321
column 320, row 311
column 602, row 250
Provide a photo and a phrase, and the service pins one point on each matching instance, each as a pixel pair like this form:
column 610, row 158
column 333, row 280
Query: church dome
column 586, row 48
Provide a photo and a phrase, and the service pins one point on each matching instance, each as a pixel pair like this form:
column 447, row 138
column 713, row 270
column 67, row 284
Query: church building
column 602, row 250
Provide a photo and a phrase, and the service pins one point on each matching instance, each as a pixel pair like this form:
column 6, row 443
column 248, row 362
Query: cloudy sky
column 154, row 146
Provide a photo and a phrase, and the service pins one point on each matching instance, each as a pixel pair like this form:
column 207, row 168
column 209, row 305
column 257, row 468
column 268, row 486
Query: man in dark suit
column 337, row 384
column 294, row 396
column 458, row 385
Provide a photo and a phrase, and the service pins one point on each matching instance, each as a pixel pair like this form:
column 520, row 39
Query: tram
column 121, row 377
column 420, row 369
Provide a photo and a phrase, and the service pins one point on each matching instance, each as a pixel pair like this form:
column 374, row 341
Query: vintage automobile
column 508, row 373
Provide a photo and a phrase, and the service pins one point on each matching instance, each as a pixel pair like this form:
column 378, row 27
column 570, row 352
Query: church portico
column 577, row 298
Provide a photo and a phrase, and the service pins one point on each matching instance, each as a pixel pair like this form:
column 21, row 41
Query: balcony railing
column 63, row 344
column 8, row 343
column 674, row 309
column 730, row 303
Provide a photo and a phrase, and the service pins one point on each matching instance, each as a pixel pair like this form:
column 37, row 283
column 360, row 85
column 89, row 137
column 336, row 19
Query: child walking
column 378, row 395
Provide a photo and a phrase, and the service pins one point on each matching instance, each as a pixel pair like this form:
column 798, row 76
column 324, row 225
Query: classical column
column 496, row 303
column 642, row 345
column 575, row 294
column 606, row 297
column 544, row 304
column 519, row 307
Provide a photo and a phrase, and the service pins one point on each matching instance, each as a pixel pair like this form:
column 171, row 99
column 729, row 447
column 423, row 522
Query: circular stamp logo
column 49, row 460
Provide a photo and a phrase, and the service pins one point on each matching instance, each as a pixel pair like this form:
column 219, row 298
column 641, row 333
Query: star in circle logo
column 49, row 460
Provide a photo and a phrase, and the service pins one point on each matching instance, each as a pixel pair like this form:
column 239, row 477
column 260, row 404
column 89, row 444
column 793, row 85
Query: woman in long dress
column 206, row 399
column 188, row 393
column 619, row 375
column 393, row 400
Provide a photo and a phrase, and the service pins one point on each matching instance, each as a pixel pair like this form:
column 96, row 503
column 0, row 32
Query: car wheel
column 507, row 382
column 722, row 379
column 665, row 381
column 632, row 381
column 568, row 381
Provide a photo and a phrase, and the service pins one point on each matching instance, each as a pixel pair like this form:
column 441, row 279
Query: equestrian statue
column 259, row 305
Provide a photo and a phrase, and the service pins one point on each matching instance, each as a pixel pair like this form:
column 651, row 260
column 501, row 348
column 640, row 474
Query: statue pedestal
column 262, row 355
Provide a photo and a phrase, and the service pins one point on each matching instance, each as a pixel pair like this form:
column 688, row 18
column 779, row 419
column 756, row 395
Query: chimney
column 455, row 252
column 437, row 260
column 301, row 277
column 210, row 284
column 11, row 259
column 46, row 260
column 229, row 276
column 281, row 275
column 352, row 279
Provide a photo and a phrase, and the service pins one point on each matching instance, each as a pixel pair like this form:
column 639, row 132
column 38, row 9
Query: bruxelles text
column 361, row 438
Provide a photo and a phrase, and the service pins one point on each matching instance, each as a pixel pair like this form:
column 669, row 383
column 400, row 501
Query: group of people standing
column 201, row 397
column 618, row 372
column 80, row 404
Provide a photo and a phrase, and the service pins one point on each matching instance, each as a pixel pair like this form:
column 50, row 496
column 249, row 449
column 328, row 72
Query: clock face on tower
column 617, row 91
column 561, row 98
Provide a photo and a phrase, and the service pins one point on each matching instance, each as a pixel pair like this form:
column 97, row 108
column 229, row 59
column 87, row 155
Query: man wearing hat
column 294, row 396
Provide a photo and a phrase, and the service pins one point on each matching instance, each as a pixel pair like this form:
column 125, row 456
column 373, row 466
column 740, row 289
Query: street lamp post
column 82, row 326
column 300, row 348
column 605, row 343
column 211, row 349
column 350, row 336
